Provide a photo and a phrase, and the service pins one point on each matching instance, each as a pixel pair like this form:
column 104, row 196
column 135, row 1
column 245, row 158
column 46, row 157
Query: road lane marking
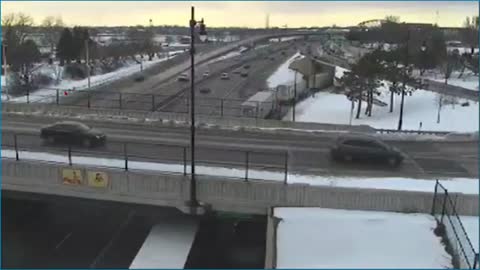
column 63, row 240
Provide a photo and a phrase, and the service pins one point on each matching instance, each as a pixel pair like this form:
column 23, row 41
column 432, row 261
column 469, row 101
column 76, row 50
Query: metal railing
column 443, row 209
column 169, row 158
column 388, row 131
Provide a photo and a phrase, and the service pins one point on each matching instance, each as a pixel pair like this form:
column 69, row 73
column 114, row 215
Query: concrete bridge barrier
column 217, row 193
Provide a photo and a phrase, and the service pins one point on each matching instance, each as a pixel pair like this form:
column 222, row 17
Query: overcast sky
column 243, row 13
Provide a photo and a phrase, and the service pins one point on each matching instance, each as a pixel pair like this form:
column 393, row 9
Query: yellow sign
column 72, row 177
column 97, row 179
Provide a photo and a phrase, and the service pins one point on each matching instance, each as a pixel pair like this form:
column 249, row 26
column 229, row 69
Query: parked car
column 224, row 76
column 71, row 132
column 183, row 77
column 365, row 148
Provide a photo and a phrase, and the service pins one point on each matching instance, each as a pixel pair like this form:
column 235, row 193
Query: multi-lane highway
column 307, row 152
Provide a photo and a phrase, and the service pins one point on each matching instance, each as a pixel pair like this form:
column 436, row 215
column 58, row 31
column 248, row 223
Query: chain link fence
column 443, row 209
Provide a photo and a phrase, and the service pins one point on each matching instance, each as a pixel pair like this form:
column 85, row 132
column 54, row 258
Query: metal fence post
column 88, row 100
column 221, row 107
column 153, row 103
column 16, row 147
column 434, row 198
column 475, row 261
column 120, row 101
column 444, row 205
column 70, row 155
column 184, row 160
column 286, row 168
column 58, row 96
column 28, row 95
column 247, row 161
column 125, row 155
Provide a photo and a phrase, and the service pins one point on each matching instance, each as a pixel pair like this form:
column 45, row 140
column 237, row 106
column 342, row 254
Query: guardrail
column 171, row 158
column 444, row 211
column 396, row 131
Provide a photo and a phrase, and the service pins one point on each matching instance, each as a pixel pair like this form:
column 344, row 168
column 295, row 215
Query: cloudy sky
column 244, row 13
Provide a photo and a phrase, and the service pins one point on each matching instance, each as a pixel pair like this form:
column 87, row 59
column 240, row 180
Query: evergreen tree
column 65, row 47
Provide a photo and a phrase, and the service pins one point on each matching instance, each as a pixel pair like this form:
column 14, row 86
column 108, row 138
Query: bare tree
column 53, row 28
column 17, row 24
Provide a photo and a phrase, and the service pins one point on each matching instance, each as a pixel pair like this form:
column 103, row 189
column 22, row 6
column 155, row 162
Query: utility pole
column 193, row 186
column 405, row 68
column 294, row 96
column 87, row 56
column 4, row 54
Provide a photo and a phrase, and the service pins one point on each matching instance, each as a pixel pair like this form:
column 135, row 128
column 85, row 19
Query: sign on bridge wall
column 97, row 179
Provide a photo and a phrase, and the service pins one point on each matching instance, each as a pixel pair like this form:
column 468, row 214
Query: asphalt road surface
column 307, row 153
column 71, row 233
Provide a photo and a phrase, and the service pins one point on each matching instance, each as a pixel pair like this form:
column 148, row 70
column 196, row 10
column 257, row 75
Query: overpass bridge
column 216, row 193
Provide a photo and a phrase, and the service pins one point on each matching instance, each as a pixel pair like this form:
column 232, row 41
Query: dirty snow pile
column 284, row 75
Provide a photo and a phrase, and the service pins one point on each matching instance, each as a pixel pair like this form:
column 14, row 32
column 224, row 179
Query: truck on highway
column 259, row 105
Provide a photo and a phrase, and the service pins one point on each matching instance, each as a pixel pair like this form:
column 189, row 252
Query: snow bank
column 422, row 107
column 471, row 227
column 3, row 80
column 283, row 75
column 49, row 94
column 339, row 71
column 468, row 80
column 460, row 185
column 326, row 238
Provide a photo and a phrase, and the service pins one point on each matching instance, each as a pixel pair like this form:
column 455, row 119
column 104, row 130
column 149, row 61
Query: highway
column 307, row 152
column 58, row 232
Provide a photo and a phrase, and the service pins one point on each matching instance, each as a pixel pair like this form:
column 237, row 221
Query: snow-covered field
column 468, row 80
column 471, row 227
column 283, row 75
column 49, row 94
column 326, row 238
column 167, row 245
column 460, row 185
column 421, row 107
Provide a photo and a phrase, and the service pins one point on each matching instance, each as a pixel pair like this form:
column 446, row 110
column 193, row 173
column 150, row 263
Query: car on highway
column 72, row 133
column 183, row 77
column 205, row 90
column 206, row 74
column 224, row 76
column 365, row 148
column 246, row 66
column 244, row 74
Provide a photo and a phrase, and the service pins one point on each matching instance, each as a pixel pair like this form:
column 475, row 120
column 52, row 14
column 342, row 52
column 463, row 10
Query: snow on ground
column 461, row 50
column 3, row 80
column 422, row 107
column 228, row 55
column 49, row 94
column 283, row 75
column 326, row 238
column 468, row 80
column 167, row 245
column 471, row 227
column 460, row 185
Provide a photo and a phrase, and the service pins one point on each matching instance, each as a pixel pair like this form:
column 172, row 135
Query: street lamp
column 4, row 54
column 405, row 68
column 203, row 36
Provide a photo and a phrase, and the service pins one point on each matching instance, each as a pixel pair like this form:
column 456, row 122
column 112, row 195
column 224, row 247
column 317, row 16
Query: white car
column 183, row 77
column 224, row 76
column 206, row 74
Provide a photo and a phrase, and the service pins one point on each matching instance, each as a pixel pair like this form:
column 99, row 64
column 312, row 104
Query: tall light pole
column 294, row 96
column 87, row 57
column 405, row 68
column 4, row 54
column 203, row 36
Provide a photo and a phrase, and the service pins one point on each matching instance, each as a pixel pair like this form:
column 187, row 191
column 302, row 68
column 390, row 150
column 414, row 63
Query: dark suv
column 70, row 132
column 364, row 148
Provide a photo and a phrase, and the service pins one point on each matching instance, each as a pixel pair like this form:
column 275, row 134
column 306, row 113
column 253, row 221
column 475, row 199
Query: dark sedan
column 364, row 148
column 70, row 132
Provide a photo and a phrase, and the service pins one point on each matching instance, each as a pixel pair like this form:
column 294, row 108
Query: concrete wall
column 222, row 194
